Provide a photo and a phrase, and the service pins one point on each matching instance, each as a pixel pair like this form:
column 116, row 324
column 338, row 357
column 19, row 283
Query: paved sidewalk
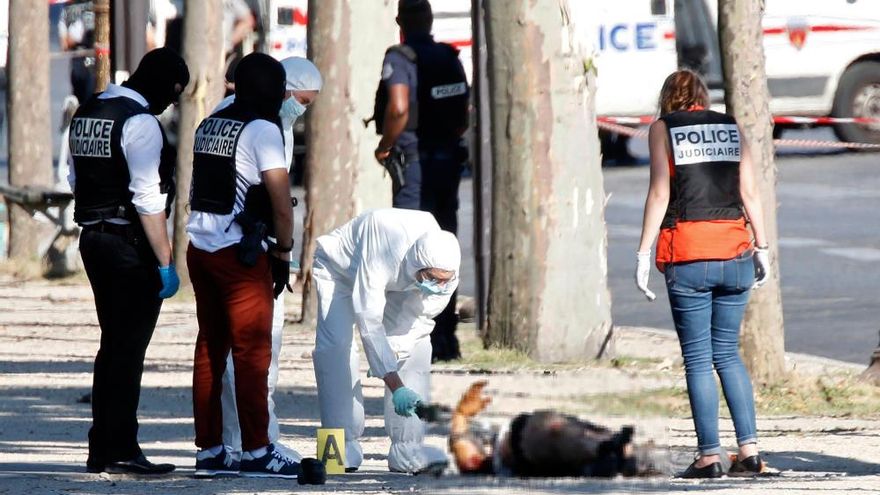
column 49, row 334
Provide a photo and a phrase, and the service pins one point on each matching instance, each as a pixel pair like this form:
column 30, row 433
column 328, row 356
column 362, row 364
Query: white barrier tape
column 806, row 143
column 784, row 143
column 622, row 129
column 647, row 119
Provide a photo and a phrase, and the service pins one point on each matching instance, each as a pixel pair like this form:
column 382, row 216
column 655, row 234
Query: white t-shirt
column 286, row 129
column 260, row 148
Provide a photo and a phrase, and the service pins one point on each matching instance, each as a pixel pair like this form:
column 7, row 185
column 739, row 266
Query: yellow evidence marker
column 331, row 449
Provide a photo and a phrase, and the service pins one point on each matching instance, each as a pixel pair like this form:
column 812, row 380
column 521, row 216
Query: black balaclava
column 260, row 85
column 415, row 17
column 155, row 77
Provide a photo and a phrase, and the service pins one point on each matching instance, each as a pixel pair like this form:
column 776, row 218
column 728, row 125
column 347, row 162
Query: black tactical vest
column 442, row 95
column 102, row 179
column 214, row 150
column 706, row 153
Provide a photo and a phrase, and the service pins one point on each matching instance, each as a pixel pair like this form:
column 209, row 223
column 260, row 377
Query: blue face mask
column 430, row 287
column 291, row 110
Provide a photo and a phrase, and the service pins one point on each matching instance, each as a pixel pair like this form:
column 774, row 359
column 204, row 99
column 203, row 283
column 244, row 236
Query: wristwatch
column 278, row 248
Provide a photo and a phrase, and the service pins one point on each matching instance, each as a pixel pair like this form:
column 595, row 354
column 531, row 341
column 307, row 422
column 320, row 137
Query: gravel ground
column 49, row 334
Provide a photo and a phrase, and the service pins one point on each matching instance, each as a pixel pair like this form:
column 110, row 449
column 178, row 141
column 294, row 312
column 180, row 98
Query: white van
column 822, row 56
column 288, row 21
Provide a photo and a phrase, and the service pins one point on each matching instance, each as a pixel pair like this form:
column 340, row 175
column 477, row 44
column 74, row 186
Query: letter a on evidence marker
column 333, row 458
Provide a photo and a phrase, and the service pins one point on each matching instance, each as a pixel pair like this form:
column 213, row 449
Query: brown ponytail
column 682, row 90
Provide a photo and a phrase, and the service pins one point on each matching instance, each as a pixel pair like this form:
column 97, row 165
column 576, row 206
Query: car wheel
column 858, row 95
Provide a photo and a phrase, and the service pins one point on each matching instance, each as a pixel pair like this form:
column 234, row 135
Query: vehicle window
column 658, row 7
column 285, row 16
column 696, row 41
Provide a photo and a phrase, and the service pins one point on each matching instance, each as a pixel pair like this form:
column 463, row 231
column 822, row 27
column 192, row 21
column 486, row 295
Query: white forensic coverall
column 365, row 276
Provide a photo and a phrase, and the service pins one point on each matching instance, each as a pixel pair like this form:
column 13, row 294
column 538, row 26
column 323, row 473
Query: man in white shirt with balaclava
column 388, row 272
column 304, row 82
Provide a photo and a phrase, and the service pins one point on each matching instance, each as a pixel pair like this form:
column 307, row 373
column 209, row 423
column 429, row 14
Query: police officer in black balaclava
column 421, row 111
column 121, row 174
column 239, row 164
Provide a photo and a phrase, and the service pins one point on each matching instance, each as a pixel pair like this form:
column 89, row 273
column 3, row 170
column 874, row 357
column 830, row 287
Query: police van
column 286, row 33
column 822, row 56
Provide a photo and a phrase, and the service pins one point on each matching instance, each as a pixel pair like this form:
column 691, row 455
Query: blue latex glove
column 405, row 401
column 170, row 282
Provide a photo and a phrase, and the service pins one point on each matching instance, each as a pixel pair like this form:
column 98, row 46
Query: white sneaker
column 287, row 451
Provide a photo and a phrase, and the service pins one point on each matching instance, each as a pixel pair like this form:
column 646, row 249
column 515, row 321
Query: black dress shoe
column 94, row 467
column 750, row 466
column 139, row 465
column 713, row 470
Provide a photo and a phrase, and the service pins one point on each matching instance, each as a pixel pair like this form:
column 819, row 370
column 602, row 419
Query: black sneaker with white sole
column 222, row 464
column 272, row 465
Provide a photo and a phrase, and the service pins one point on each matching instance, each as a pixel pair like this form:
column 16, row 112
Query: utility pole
column 347, row 41
column 548, row 293
column 102, row 44
column 30, row 159
column 748, row 100
column 203, row 52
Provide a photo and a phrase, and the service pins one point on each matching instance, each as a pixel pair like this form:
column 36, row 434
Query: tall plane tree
column 203, row 52
column 548, row 291
column 30, row 158
column 347, row 41
column 748, row 100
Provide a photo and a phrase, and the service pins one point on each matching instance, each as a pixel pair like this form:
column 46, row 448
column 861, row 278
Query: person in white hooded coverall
column 303, row 85
column 388, row 272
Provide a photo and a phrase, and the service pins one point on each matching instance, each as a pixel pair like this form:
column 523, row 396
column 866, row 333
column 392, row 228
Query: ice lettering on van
column 217, row 136
column 643, row 36
column 91, row 137
column 705, row 143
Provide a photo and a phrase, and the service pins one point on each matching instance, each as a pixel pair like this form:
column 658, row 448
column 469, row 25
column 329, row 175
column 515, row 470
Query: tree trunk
column 872, row 373
column 548, row 291
column 102, row 44
column 30, row 158
column 482, row 163
column 748, row 99
column 203, row 52
column 347, row 41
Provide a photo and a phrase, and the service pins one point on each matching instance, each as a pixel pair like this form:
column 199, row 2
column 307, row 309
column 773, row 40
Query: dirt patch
column 49, row 334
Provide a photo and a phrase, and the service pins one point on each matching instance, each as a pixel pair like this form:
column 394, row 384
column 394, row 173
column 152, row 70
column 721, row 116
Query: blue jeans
column 708, row 299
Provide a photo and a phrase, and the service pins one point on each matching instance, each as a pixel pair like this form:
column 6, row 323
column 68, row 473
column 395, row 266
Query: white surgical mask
column 291, row 110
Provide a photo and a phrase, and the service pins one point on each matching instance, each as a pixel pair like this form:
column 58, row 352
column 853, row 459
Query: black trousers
column 433, row 175
column 122, row 271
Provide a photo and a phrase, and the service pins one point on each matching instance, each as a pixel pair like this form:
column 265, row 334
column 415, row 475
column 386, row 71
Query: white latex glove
column 761, row 258
column 643, row 269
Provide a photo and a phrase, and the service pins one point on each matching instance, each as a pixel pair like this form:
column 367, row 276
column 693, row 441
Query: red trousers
column 234, row 310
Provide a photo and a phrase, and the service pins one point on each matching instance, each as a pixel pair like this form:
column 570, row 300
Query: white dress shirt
column 142, row 147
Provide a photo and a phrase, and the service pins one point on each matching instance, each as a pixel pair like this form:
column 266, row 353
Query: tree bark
column 748, row 100
column 548, row 291
column 203, row 52
column 872, row 373
column 102, row 44
column 347, row 41
column 30, row 159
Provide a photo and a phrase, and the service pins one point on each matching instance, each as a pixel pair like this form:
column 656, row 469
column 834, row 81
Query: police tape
column 787, row 143
column 647, row 119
